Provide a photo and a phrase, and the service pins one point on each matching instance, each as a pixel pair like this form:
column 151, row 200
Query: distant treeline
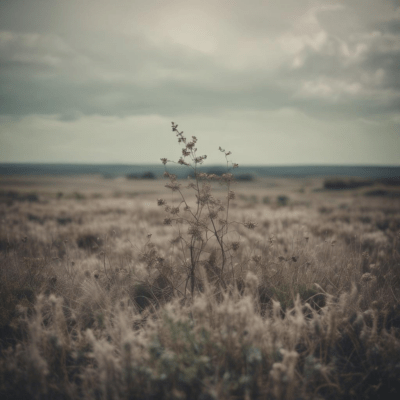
column 146, row 175
column 242, row 173
column 344, row 184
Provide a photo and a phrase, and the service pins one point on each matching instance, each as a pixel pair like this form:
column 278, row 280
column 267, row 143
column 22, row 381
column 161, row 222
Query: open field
column 93, row 307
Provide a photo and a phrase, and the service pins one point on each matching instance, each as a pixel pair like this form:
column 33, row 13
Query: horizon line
column 200, row 165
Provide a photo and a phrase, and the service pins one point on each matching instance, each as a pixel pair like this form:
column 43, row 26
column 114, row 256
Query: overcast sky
column 275, row 82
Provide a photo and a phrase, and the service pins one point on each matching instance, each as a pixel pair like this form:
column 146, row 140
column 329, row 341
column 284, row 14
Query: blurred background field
column 299, row 216
column 94, row 291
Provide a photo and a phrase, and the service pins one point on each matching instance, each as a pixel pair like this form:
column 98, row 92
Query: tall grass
column 103, row 300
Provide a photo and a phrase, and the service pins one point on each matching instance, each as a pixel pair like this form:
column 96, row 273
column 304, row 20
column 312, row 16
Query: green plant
column 205, row 220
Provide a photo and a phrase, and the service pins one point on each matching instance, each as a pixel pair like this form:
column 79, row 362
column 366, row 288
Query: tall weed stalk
column 208, row 219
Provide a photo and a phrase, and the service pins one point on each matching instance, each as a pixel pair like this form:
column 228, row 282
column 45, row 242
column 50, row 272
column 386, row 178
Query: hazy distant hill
column 107, row 170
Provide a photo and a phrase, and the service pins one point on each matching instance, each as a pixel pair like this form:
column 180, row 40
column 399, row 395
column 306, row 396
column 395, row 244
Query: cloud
column 191, row 59
column 353, row 76
column 84, row 61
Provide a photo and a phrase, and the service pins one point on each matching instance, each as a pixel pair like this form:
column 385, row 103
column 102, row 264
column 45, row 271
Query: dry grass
column 97, row 300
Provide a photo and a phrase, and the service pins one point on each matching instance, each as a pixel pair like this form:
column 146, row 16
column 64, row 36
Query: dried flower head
column 231, row 195
column 204, row 198
column 195, row 231
column 185, row 153
column 235, row 245
column 173, row 186
column 227, row 178
column 167, row 221
column 161, row 202
column 174, row 210
column 202, row 175
column 191, row 186
column 181, row 161
column 213, row 214
column 199, row 160
column 164, row 160
column 250, row 225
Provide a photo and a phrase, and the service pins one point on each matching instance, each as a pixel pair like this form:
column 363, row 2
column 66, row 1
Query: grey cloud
column 36, row 87
column 363, row 67
column 168, row 97
column 68, row 71
column 392, row 26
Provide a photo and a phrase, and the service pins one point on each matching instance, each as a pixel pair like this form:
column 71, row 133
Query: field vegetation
column 204, row 289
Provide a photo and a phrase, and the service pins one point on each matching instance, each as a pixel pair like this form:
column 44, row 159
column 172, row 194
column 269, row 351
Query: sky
column 291, row 82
